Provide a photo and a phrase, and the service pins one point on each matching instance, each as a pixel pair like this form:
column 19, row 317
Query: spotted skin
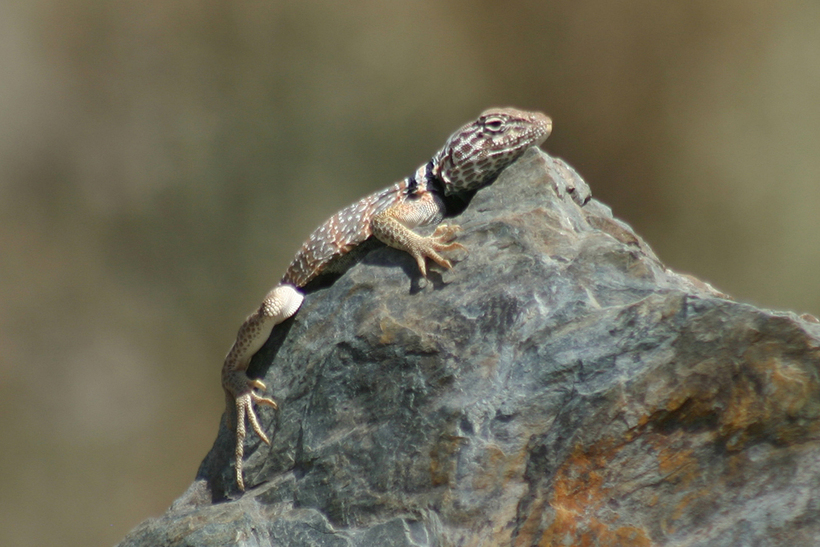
column 471, row 158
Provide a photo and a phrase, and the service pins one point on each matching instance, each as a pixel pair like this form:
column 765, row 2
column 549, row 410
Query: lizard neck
column 425, row 179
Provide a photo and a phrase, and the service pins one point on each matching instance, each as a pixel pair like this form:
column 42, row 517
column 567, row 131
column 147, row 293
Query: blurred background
column 160, row 163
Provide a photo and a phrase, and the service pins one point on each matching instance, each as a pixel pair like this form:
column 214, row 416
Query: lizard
column 471, row 158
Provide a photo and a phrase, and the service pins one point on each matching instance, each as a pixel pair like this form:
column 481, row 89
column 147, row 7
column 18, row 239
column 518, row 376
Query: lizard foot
column 244, row 407
column 429, row 247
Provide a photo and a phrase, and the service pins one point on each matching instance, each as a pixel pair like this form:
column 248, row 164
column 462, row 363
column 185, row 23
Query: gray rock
column 558, row 386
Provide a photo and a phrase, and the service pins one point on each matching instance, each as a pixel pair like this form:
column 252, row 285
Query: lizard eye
column 494, row 124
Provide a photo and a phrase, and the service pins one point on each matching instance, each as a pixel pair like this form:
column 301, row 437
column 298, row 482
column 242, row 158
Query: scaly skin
column 471, row 158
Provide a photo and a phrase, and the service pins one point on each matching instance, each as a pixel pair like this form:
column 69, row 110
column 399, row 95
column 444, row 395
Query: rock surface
column 558, row 386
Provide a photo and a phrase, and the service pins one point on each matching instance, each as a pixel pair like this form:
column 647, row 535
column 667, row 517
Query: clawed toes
column 440, row 241
column 450, row 246
column 442, row 238
column 263, row 400
column 445, row 232
column 244, row 409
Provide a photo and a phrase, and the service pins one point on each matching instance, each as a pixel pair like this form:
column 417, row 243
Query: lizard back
column 340, row 234
column 470, row 159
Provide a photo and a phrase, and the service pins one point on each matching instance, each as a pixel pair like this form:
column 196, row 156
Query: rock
column 558, row 386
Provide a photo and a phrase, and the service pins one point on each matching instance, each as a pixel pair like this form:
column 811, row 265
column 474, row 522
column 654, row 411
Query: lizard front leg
column 393, row 227
column 279, row 304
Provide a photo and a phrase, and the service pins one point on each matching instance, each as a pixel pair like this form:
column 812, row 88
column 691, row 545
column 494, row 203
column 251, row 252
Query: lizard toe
column 244, row 403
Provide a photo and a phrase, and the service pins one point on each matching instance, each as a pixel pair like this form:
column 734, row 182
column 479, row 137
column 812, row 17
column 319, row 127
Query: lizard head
column 477, row 152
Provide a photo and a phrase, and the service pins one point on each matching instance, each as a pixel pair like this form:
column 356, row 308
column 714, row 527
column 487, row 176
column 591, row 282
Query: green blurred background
column 161, row 161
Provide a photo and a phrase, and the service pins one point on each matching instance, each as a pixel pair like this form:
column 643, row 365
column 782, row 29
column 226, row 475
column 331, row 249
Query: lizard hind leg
column 279, row 304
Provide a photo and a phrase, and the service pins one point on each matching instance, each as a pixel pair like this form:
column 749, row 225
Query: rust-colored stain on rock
column 581, row 490
column 691, row 446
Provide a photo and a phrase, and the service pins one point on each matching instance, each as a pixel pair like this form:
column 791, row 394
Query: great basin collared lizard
column 471, row 158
